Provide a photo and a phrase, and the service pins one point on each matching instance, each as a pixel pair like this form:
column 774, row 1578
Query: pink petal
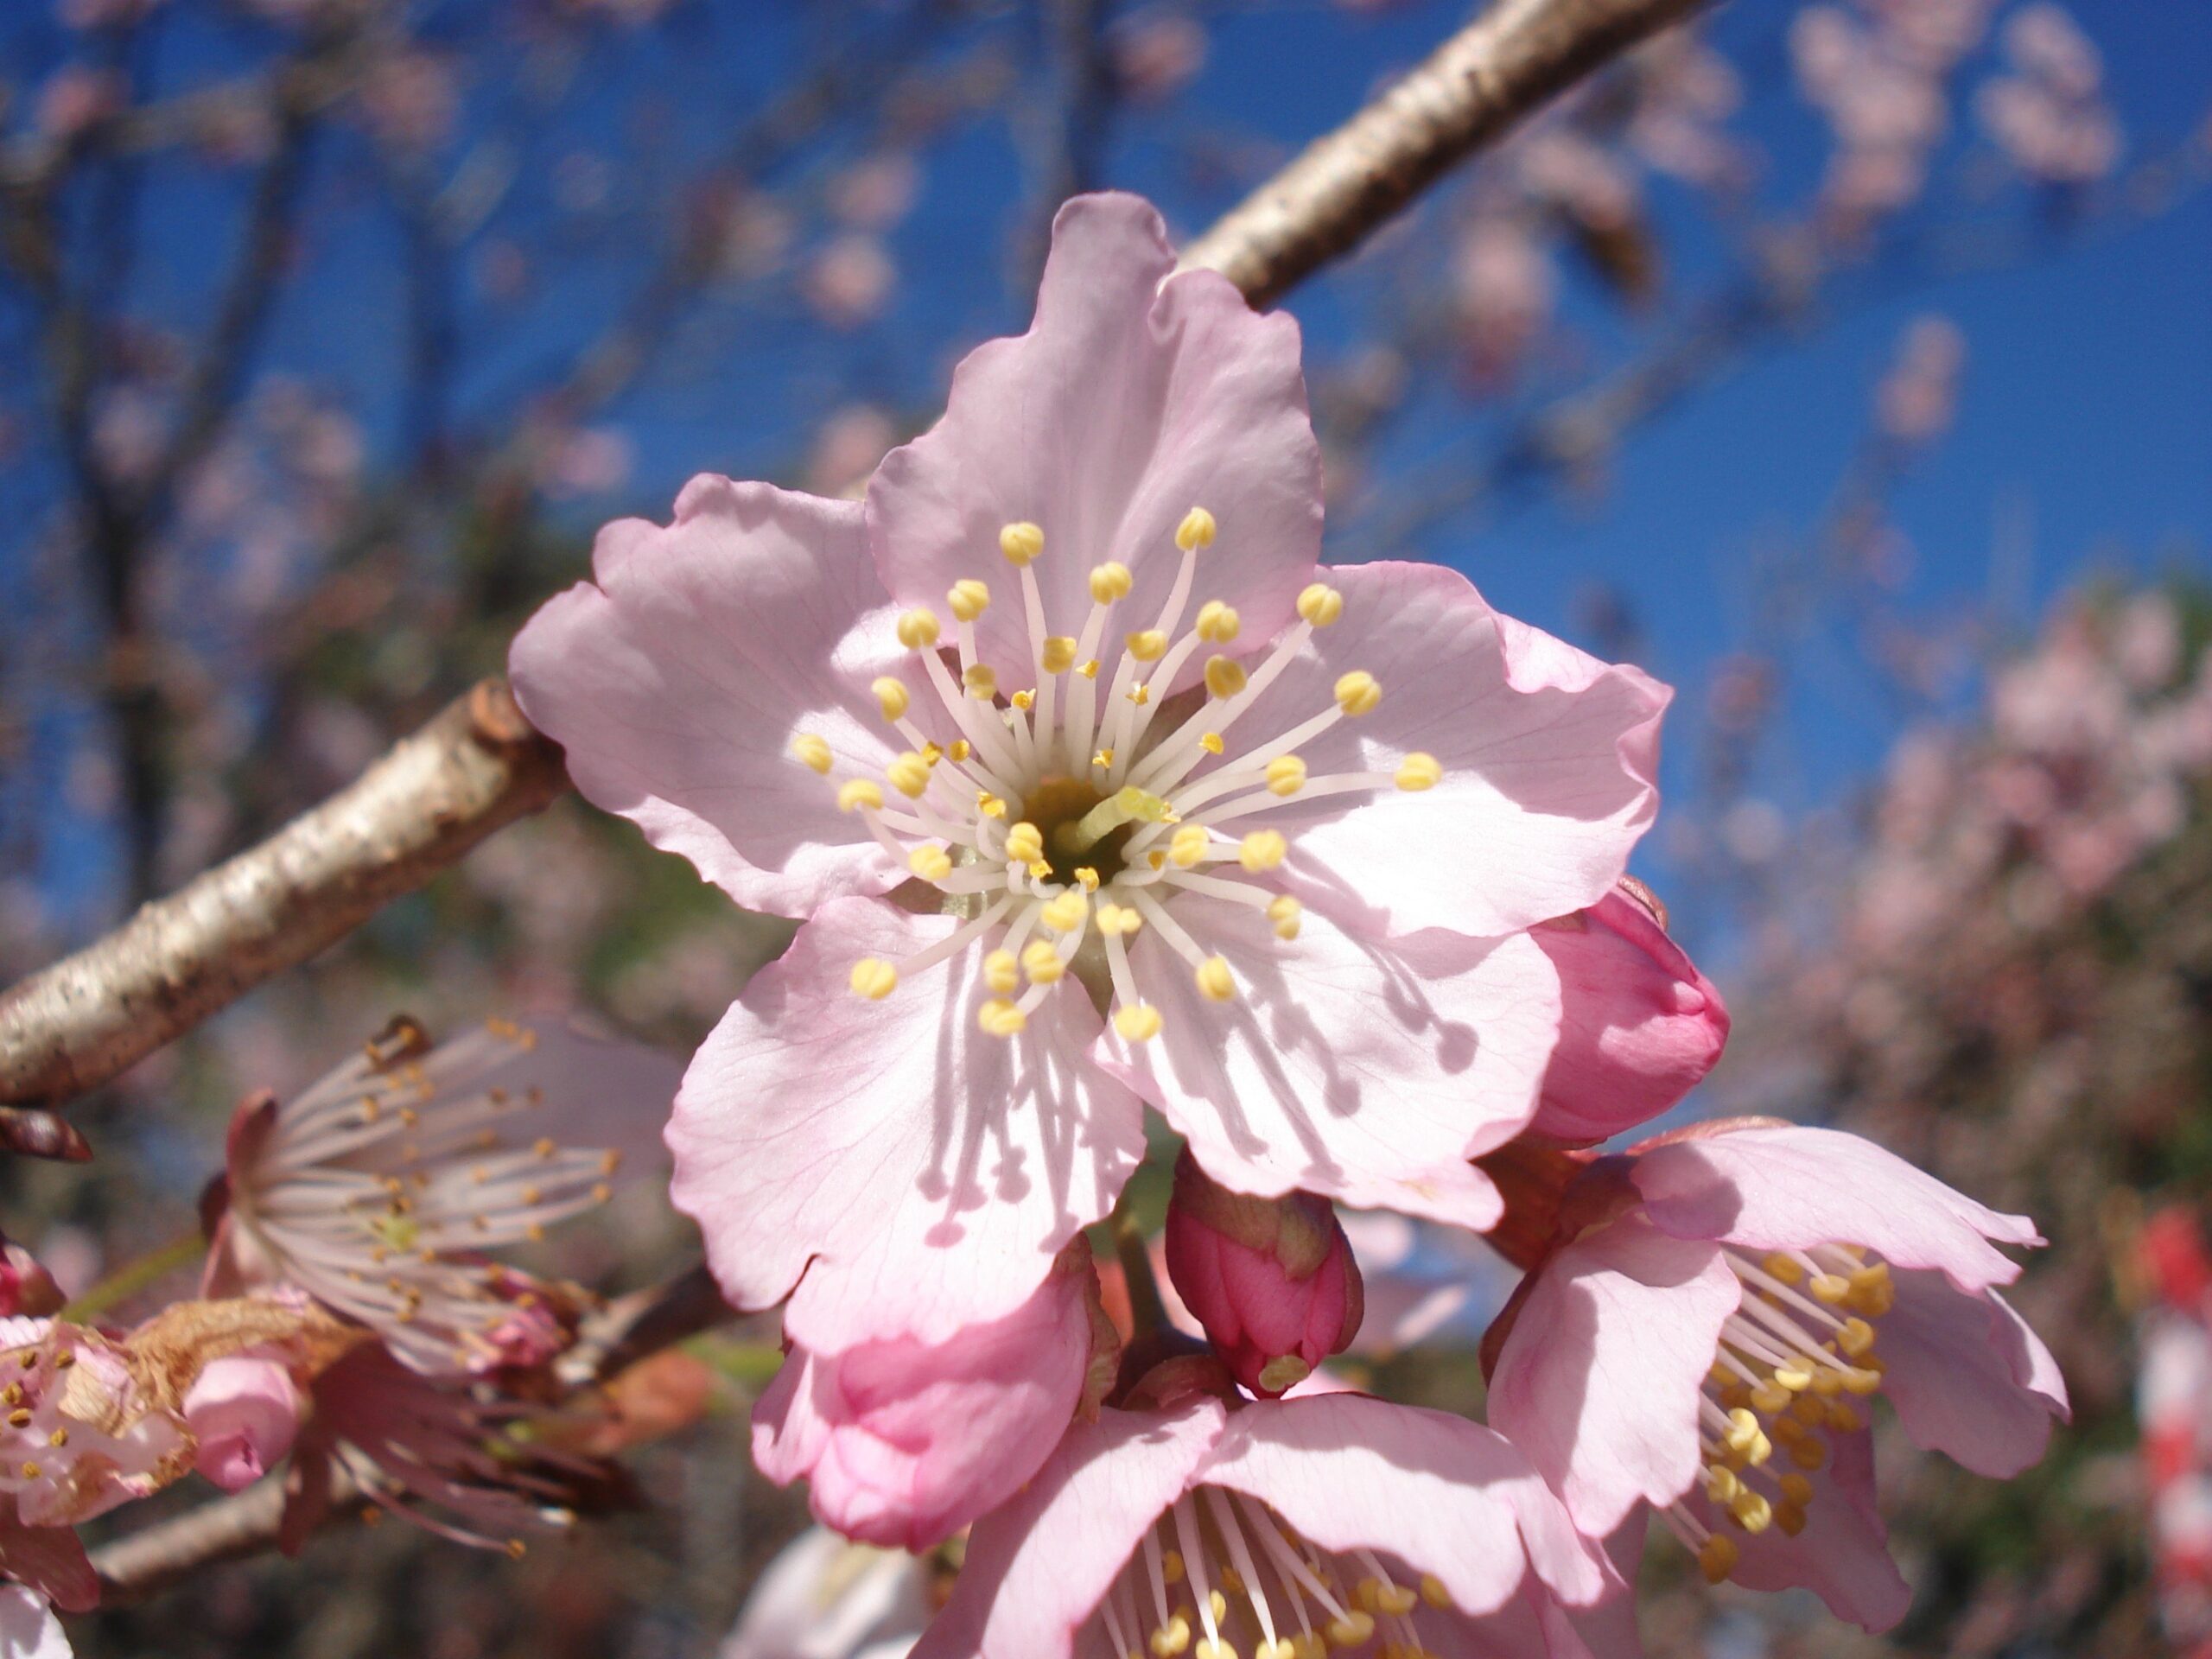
column 1781, row 1189
column 50, row 1560
column 1843, row 1555
column 28, row 1629
column 1968, row 1377
column 676, row 681
column 1443, row 1495
column 919, row 1174
column 1368, row 1071
column 1597, row 1382
column 1037, row 1567
column 1133, row 398
column 903, row 1445
column 1546, row 778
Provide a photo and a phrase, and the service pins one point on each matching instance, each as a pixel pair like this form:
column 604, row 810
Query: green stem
column 132, row 1277
column 1147, row 1312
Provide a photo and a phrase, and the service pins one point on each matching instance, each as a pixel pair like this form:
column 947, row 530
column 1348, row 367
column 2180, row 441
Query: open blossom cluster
column 1096, row 796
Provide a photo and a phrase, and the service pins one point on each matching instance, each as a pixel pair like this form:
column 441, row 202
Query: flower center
column 1070, row 805
column 1797, row 1350
column 1221, row 1575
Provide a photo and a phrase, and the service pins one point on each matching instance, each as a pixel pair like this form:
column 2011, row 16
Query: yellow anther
column 1810, row 1452
column 1796, row 1375
column 1020, row 541
column 1827, row 1382
column 968, row 599
column 1188, row 845
column 1224, row 675
column 1119, row 921
column 909, row 774
column 857, row 792
column 1042, row 963
column 961, row 749
column 1218, row 623
column 1139, row 694
column 1751, row 1512
column 1214, row 1647
column 1102, row 758
column 989, row 805
column 1170, row 1638
column 1170, row 1566
column 1211, row 742
column 1137, row 1022
column 1856, row 1337
column 1281, row 1648
column 814, row 750
column 1147, row 646
column 1418, row 771
column 1320, row 604
column 1286, row 775
column 1024, row 701
column 1434, row 1593
column 1002, row 972
column 1090, row 670
column 1788, row 1268
column 1064, row 913
column 1364, row 1593
column 874, row 978
column 1263, row 849
column 1862, row 1382
column 1216, row 982
column 891, row 695
column 1357, row 692
column 1196, row 530
column 1829, row 1287
column 1218, row 1604
column 1789, row 1430
column 1770, row 1397
column 1110, row 582
column 1841, row 1417
column 1790, row 1517
column 930, row 863
column 1157, row 858
column 1716, row 1557
column 981, row 681
column 1058, row 655
column 1285, row 912
column 1721, row 1483
column 1025, row 842
column 1041, row 867
column 918, row 628
column 1086, row 878
column 1354, row 1628
column 1746, row 1439
column 1397, row 1600
column 1000, row 1018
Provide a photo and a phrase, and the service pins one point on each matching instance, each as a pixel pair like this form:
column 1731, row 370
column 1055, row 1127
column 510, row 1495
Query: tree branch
column 440, row 792
column 1503, row 66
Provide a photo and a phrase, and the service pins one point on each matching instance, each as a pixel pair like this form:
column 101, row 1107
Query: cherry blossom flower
column 902, row 1443
column 1707, row 1341
column 1285, row 1529
column 244, row 1412
column 1288, row 830
column 80, row 1435
column 375, row 1191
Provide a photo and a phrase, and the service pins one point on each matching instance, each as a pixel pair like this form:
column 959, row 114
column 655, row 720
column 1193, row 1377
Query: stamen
column 1225, row 676
column 813, row 750
column 1020, row 541
column 1286, row 775
column 1263, row 849
column 875, row 978
column 891, row 696
column 918, row 628
column 1359, row 693
column 857, row 792
column 1418, row 772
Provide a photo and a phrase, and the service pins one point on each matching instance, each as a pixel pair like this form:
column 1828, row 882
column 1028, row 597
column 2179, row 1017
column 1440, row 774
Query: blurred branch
column 440, row 792
column 1503, row 66
column 625, row 1330
column 475, row 767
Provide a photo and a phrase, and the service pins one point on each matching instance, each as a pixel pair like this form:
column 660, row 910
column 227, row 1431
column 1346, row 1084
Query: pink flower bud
column 245, row 1412
column 1271, row 1280
column 1639, row 1026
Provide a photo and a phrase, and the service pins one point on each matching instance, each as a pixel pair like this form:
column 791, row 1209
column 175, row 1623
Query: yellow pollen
column 1856, row 1337
column 1025, row 842
column 930, row 863
column 1000, row 1018
column 875, row 978
column 1041, row 868
column 31, row 1471
column 1002, row 972
column 1864, row 1381
column 1214, row 1647
column 918, row 628
column 1170, row 1566
column 1086, row 878
column 1418, row 771
column 1042, row 963
column 1744, row 1436
column 58, row 1439
column 910, row 774
column 1263, row 849
column 1064, row 913
column 891, row 695
column 1024, row 701
column 960, row 749
column 1139, row 694
column 1354, row 1628
column 1286, row 775
column 1357, row 692
column 1147, row 646
column 968, row 599
column 1796, row 1490
column 1215, row 981
column 1787, row 1268
column 1224, row 675
column 1157, row 858
column 814, row 750
column 1020, row 541
column 989, row 805
column 1751, row 1512
column 1841, row 1417
column 1104, row 757
column 1796, row 1375
column 1211, row 742
column 1170, row 1638
column 19, row 1417
column 1058, row 655
column 1770, row 1397
column 1137, row 1022
column 1218, row 623
column 1196, row 531
column 1285, row 912
column 1790, row 1517
column 1119, row 921
column 1716, row 1557
column 1319, row 604
column 1188, row 845
column 1830, row 1288
column 857, row 792
column 1090, row 670
column 981, row 681
column 1110, row 582
column 1810, row 1452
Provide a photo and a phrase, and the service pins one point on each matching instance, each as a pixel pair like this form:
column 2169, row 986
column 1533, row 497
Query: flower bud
column 1639, row 1026
column 244, row 1411
column 1271, row 1280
